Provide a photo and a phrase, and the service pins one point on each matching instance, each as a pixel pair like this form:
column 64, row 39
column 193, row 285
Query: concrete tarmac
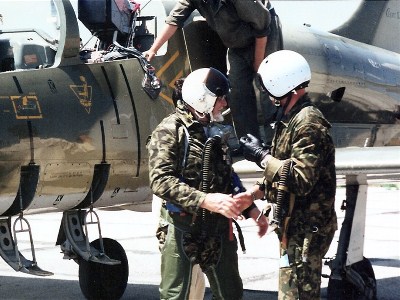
column 258, row 267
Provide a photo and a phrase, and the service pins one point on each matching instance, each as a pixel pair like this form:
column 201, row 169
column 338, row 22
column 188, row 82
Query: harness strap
column 170, row 206
column 186, row 149
column 240, row 234
column 286, row 222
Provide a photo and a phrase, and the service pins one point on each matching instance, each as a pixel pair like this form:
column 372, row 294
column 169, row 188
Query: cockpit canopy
column 24, row 51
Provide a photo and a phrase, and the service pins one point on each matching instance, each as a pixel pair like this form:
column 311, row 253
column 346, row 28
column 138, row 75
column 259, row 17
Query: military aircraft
column 75, row 120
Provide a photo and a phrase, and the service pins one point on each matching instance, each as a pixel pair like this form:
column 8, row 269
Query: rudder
column 375, row 23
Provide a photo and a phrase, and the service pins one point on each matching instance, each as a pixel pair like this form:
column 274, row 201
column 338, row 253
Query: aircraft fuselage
column 69, row 119
column 369, row 113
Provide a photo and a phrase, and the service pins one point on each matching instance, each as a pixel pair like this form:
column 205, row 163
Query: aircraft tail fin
column 375, row 23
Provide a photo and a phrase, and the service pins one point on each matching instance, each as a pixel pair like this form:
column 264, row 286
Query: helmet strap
column 202, row 117
column 288, row 99
column 280, row 112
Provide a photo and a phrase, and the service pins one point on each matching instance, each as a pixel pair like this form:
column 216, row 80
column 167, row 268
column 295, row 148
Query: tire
column 345, row 289
column 99, row 281
column 364, row 269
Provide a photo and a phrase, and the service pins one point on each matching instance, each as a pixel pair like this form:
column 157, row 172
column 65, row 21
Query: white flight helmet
column 282, row 72
column 202, row 87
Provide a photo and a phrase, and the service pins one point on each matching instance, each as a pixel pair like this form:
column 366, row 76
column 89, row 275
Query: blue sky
column 324, row 15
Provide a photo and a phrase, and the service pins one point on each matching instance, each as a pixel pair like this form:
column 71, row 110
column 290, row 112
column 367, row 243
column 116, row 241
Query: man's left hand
column 253, row 150
column 261, row 221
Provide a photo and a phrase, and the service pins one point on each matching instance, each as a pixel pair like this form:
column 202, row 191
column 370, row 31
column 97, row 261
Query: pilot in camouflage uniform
column 197, row 204
column 300, row 168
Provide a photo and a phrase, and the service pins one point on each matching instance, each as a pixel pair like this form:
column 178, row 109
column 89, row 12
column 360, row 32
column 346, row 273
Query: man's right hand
column 253, row 150
column 149, row 54
column 224, row 204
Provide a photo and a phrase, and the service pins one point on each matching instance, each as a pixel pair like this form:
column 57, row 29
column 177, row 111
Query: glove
column 253, row 150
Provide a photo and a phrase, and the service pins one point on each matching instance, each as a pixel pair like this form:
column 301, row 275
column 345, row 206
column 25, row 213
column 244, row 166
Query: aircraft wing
column 379, row 164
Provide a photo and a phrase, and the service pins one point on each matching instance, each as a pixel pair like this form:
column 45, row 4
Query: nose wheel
column 104, row 281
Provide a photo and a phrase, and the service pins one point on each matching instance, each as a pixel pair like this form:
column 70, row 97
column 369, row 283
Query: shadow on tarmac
column 249, row 295
column 383, row 262
column 19, row 288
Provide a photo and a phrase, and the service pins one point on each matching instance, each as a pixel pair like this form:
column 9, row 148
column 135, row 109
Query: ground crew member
column 190, row 169
column 299, row 174
column 243, row 27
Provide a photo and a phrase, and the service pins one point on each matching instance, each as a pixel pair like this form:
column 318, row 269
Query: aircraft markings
column 52, row 86
column 26, row 107
column 166, row 98
column 83, row 93
column 171, row 83
column 58, row 199
column 115, row 192
column 167, row 64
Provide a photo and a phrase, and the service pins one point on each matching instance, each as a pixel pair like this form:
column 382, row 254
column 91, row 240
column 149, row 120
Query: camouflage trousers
column 301, row 265
column 217, row 256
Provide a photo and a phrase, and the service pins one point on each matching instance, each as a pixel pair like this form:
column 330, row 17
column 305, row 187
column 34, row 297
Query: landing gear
column 103, row 265
column 9, row 246
column 102, row 281
column 352, row 276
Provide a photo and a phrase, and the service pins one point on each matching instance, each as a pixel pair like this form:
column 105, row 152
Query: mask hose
column 281, row 199
column 205, row 183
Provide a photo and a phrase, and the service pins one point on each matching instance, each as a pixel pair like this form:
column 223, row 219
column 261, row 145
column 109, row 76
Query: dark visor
column 217, row 83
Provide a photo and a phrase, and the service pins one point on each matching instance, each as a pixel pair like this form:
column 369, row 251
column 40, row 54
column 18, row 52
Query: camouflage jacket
column 303, row 136
column 169, row 178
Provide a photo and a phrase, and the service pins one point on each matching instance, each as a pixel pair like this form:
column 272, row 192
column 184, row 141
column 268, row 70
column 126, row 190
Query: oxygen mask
column 221, row 130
